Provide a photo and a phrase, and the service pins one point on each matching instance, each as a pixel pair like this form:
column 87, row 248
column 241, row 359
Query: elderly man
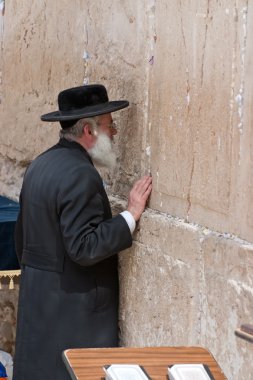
column 67, row 240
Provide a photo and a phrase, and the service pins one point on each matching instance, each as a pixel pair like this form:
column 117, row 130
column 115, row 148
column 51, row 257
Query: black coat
column 66, row 241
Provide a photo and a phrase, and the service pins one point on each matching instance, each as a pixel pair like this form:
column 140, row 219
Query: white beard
column 102, row 153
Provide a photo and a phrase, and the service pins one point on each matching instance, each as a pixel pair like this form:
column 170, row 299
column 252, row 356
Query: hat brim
column 90, row 111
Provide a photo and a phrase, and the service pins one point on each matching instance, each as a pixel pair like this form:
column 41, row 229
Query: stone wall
column 188, row 286
column 8, row 313
column 186, row 68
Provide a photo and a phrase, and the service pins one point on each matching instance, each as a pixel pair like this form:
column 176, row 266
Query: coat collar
column 74, row 145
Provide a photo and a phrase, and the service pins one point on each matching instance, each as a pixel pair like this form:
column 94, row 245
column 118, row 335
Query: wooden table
column 87, row 363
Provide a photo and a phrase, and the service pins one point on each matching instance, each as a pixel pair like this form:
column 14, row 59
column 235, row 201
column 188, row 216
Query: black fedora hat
column 84, row 101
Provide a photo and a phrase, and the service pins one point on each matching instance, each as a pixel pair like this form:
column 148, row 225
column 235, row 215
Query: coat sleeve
column 88, row 235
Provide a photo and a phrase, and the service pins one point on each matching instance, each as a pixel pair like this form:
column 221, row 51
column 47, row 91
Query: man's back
column 63, row 209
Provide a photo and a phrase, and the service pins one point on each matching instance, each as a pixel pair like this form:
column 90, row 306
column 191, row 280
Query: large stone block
column 227, row 302
column 200, row 113
column 182, row 284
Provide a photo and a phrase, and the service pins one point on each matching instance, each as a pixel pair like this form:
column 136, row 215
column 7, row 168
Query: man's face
column 106, row 126
column 102, row 152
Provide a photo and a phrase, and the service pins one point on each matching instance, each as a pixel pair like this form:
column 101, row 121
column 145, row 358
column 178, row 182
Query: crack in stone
column 187, row 71
column 204, row 47
column 190, row 185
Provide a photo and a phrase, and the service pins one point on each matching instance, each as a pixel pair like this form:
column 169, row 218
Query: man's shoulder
column 62, row 168
column 63, row 155
column 59, row 162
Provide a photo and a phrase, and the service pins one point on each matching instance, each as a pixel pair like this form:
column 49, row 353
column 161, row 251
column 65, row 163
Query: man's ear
column 87, row 130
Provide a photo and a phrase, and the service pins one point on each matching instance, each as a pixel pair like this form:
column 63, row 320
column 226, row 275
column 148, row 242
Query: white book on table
column 125, row 372
column 189, row 372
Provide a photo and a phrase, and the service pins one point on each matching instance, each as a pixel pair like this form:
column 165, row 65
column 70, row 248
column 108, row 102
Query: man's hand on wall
column 138, row 196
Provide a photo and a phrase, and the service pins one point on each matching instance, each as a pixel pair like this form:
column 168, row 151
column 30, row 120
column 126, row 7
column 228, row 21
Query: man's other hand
column 138, row 196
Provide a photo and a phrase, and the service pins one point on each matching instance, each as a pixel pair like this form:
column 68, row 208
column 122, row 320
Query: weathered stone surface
column 227, row 301
column 159, row 286
column 42, row 56
column 8, row 312
column 188, row 286
column 11, row 177
column 200, row 113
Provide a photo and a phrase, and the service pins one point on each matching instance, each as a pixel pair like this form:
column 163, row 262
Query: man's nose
column 114, row 131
